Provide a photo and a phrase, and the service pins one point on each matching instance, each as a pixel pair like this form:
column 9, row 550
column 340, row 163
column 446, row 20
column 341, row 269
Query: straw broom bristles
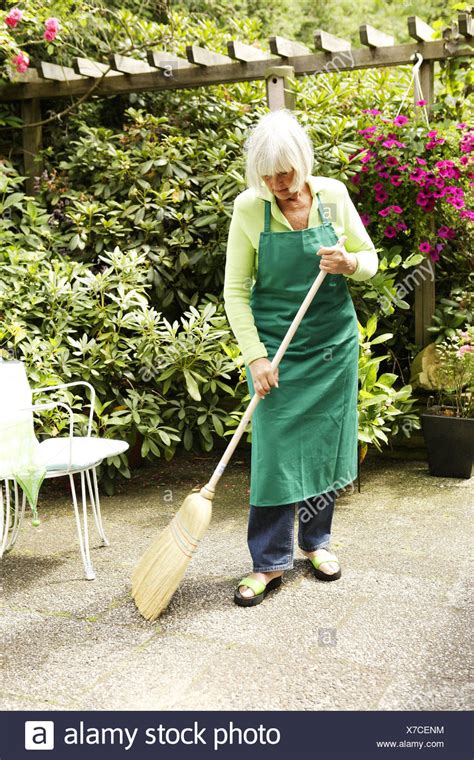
column 162, row 567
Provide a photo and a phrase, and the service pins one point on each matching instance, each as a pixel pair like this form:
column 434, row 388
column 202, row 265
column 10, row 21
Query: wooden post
column 32, row 142
column 280, row 94
column 425, row 290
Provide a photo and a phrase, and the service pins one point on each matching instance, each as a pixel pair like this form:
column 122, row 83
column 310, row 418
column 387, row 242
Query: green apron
column 304, row 433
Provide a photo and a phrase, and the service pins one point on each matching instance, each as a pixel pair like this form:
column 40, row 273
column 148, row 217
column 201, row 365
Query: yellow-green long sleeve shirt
column 242, row 250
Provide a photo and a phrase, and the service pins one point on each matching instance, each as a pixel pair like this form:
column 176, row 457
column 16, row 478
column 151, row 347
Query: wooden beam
column 30, row 75
column 236, row 71
column 280, row 93
column 329, row 43
column 245, row 53
column 419, row 30
column 427, row 84
column 57, row 73
column 88, row 68
column 32, row 142
column 205, row 57
column 425, row 286
column 162, row 60
column 466, row 25
column 372, row 38
column 287, row 48
column 127, row 65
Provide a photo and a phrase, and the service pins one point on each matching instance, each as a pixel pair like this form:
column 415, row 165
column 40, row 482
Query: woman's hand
column 336, row 260
column 263, row 376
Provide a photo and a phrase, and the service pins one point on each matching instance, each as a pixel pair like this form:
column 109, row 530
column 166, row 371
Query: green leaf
column 381, row 338
column 192, row 386
column 145, row 168
column 74, row 242
column 164, row 437
column 188, row 439
column 371, row 325
column 218, row 426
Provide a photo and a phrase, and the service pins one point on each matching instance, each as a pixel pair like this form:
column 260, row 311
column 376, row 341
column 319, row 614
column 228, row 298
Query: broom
column 160, row 570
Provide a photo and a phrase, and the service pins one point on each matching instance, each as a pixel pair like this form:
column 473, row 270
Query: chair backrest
column 18, row 443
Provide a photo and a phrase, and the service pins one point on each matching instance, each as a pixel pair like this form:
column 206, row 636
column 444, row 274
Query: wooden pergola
column 202, row 67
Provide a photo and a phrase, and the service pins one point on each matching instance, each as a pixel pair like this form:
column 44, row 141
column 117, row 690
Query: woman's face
column 279, row 184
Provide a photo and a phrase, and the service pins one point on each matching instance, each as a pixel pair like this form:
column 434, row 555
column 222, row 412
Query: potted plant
column 448, row 424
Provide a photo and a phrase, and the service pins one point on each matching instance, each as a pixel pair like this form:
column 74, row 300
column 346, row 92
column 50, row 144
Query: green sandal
column 259, row 589
column 317, row 561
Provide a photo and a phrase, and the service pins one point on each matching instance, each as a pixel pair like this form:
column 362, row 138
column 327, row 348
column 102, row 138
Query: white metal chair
column 59, row 457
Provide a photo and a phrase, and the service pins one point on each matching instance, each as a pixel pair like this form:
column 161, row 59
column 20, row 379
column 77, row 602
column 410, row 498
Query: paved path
column 391, row 634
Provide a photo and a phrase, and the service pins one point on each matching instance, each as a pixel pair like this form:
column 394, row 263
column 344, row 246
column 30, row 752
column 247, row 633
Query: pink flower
column 463, row 349
column 420, row 161
column 396, row 180
column 434, row 255
column 461, row 125
column 467, row 142
column 51, row 29
column 456, row 201
column 365, row 218
column 425, row 247
column 448, row 169
column 378, row 187
column 418, row 175
column 390, row 232
column 421, row 102
column 21, row 62
column 467, row 215
column 381, row 197
column 373, row 111
column 397, row 209
column 401, row 226
column 392, row 161
column 433, row 133
column 52, row 24
column 446, row 232
column 13, row 18
column 433, row 143
column 400, row 120
column 385, row 211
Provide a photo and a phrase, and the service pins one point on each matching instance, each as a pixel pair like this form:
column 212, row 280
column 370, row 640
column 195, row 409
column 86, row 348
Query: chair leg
column 82, row 536
column 19, row 513
column 8, row 531
column 4, row 517
column 95, row 501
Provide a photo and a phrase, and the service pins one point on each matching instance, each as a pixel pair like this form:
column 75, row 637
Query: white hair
column 278, row 143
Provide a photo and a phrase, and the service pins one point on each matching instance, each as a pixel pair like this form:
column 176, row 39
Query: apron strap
column 321, row 211
column 268, row 212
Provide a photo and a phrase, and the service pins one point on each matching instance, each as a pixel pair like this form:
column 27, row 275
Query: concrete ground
column 391, row 634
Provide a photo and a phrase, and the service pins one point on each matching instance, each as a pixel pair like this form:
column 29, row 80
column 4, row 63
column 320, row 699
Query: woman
column 284, row 229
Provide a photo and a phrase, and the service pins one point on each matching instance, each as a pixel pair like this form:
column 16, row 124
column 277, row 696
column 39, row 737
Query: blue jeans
column 270, row 531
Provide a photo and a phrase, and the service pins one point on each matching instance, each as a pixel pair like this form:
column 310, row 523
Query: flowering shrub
column 415, row 184
column 454, row 373
column 22, row 28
